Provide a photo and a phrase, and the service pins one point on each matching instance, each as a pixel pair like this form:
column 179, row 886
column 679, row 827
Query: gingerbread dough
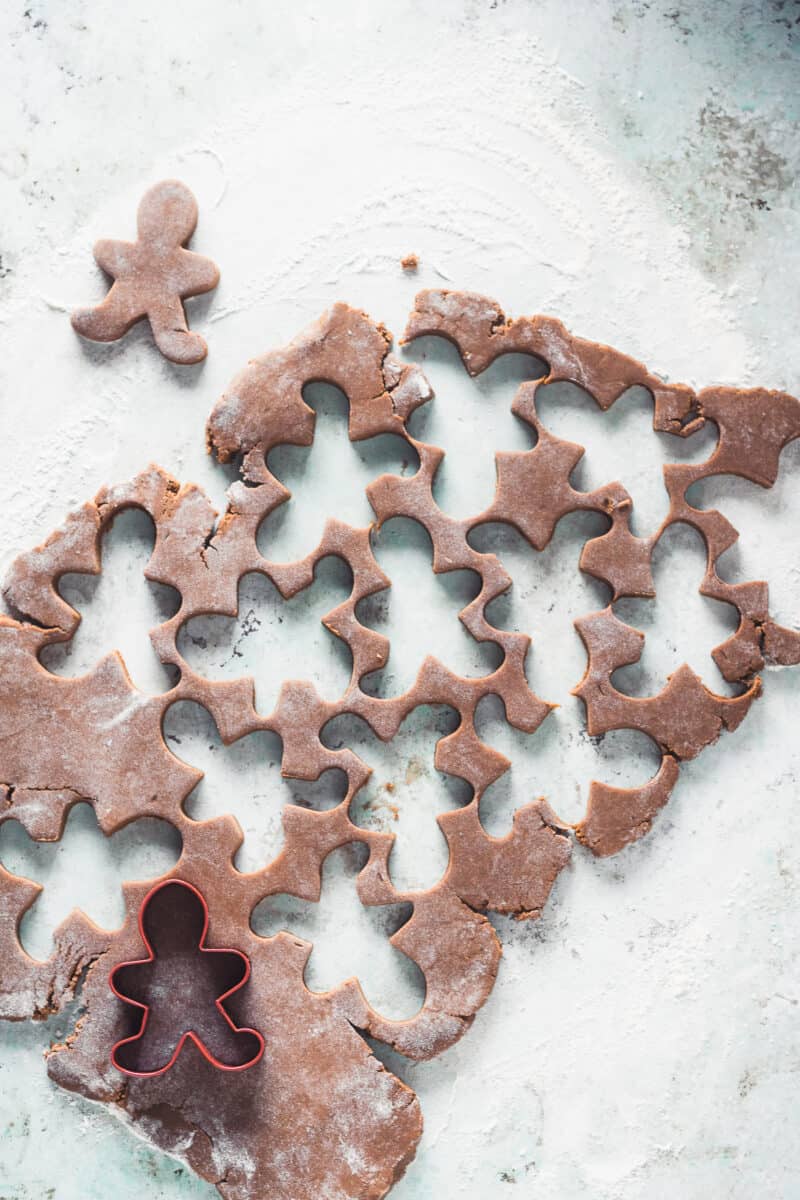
column 102, row 741
column 534, row 492
column 153, row 276
column 97, row 738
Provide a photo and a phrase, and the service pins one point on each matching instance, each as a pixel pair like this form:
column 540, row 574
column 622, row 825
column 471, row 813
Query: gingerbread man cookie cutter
column 181, row 997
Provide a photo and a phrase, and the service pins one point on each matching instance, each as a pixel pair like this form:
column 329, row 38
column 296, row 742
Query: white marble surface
column 629, row 169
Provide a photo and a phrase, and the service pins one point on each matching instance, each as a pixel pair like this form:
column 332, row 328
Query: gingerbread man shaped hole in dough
column 152, row 277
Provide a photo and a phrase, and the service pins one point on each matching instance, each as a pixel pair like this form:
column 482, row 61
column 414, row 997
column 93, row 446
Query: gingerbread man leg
column 172, row 335
column 110, row 319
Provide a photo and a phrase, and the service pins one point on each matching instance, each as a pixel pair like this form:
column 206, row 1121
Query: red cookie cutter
column 145, row 1008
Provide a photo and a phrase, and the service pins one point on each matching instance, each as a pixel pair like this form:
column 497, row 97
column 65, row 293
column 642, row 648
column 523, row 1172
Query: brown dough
column 534, row 492
column 101, row 740
column 153, row 276
column 121, row 764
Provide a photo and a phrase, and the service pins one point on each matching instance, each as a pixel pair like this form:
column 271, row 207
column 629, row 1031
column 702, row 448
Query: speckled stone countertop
column 629, row 169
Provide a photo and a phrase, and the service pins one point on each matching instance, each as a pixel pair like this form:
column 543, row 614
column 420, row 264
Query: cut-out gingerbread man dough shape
column 153, row 276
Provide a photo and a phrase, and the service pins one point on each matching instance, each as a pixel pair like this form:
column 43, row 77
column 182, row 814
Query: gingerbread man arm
column 110, row 319
column 199, row 274
column 112, row 257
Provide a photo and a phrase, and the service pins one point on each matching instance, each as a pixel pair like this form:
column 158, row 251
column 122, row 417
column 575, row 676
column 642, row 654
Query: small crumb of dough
column 410, row 262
